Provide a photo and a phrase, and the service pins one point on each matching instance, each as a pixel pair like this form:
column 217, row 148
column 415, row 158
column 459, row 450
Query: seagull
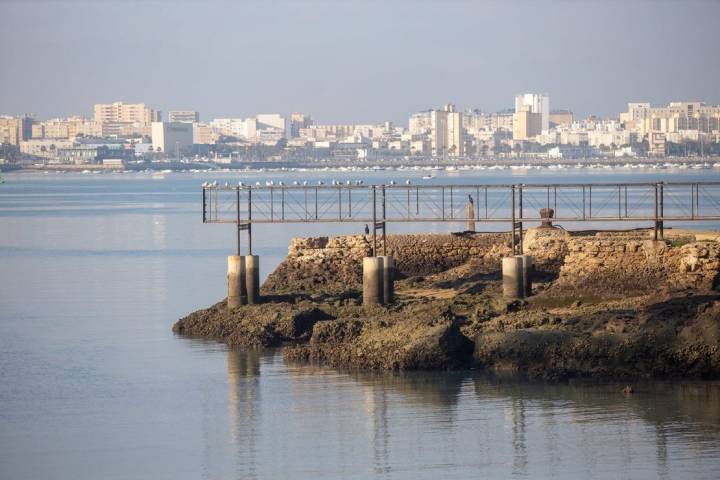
column 407, row 182
column 240, row 184
column 257, row 184
column 227, row 184
column 320, row 182
column 281, row 183
column 304, row 182
column 296, row 182
column 392, row 182
column 347, row 183
column 215, row 183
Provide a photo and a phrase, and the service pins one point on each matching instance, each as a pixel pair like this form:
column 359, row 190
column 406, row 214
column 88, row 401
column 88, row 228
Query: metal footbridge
column 515, row 204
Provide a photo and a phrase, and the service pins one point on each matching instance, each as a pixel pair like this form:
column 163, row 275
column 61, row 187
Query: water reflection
column 378, row 424
column 244, row 409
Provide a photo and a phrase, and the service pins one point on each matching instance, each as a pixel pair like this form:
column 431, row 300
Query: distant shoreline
column 392, row 164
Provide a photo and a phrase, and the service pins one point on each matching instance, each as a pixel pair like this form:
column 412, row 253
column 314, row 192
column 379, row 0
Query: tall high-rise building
column 183, row 116
column 119, row 112
column 446, row 132
column 538, row 103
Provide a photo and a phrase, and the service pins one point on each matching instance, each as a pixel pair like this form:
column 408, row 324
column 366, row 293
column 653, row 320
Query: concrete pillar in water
column 527, row 270
column 388, row 279
column 237, row 292
column 252, row 278
column 372, row 280
column 512, row 275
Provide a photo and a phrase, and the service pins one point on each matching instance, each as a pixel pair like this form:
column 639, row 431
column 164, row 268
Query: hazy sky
column 346, row 61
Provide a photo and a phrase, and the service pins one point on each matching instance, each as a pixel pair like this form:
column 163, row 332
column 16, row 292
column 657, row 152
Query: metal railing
column 509, row 203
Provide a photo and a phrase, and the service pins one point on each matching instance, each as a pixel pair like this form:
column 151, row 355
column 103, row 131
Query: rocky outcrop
column 613, row 304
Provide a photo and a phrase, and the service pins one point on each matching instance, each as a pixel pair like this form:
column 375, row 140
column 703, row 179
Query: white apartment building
column 446, row 132
column 171, row 138
column 270, row 120
column 245, row 128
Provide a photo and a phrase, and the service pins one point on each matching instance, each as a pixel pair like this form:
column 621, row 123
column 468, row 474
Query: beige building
column 677, row 116
column 526, row 124
column 14, row 130
column 119, row 112
column 203, row 134
column 561, row 118
column 446, row 132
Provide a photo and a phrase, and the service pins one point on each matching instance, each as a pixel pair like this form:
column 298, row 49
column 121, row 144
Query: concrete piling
column 388, row 279
column 252, row 278
column 512, row 275
column 237, row 291
column 372, row 281
column 527, row 271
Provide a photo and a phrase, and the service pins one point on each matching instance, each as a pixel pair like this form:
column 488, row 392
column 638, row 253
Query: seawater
column 95, row 269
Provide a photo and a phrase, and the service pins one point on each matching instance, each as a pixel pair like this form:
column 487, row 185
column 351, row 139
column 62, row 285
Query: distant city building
column 673, row 118
column 125, row 119
column 183, row 116
column 526, row 123
column 538, row 103
column 561, row 118
column 203, row 134
column 299, row 121
column 172, row 138
column 236, row 127
column 119, row 112
column 14, row 130
column 270, row 120
column 446, row 132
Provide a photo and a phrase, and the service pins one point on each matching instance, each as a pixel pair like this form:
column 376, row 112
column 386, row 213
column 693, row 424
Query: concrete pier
column 512, row 275
column 388, row 279
column 527, row 272
column 372, row 281
column 252, row 278
column 237, row 291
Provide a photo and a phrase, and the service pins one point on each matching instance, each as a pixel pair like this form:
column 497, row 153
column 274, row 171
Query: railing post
column 520, row 224
column 512, row 195
column 374, row 220
column 204, row 211
column 249, row 226
column 384, row 235
column 237, row 220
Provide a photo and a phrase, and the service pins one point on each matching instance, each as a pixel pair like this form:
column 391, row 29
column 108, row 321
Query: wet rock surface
column 606, row 304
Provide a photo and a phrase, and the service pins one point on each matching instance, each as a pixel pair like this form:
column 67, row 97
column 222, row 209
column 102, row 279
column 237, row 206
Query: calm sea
column 95, row 269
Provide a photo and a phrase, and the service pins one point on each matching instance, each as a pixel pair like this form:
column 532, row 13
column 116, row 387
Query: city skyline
column 389, row 61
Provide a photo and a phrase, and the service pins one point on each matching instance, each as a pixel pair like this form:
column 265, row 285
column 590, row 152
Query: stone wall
column 336, row 262
column 601, row 263
column 621, row 263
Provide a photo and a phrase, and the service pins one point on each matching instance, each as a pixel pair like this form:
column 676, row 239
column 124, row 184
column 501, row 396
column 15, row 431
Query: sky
column 354, row 61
